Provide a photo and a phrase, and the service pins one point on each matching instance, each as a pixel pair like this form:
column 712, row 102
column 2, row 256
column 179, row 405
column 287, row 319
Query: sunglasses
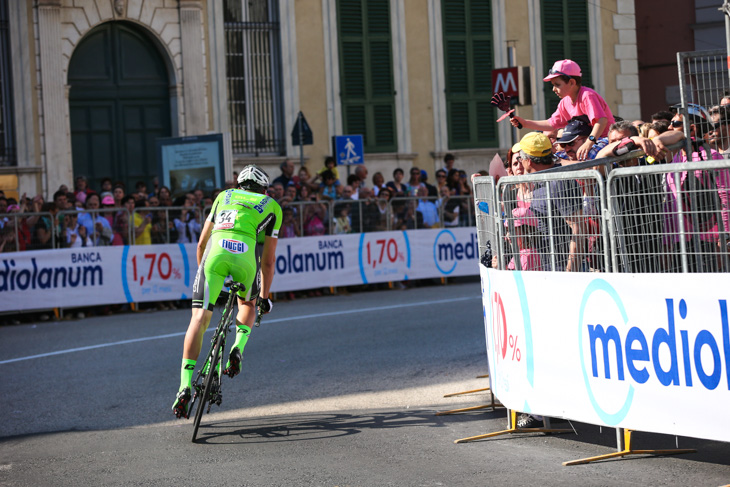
column 441, row 175
column 555, row 71
column 568, row 144
column 676, row 123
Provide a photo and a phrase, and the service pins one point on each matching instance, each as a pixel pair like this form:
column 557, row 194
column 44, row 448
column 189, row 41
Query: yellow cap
column 536, row 144
column 516, row 148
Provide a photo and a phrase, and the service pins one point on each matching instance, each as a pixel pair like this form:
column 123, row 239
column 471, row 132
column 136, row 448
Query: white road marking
column 275, row 320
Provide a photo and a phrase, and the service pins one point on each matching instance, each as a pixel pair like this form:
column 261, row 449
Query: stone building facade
column 95, row 82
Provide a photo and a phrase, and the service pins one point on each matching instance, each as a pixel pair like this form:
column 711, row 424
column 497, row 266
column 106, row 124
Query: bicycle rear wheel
column 204, row 400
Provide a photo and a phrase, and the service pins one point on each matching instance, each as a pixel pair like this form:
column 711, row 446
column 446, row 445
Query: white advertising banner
column 345, row 260
column 649, row 352
column 69, row 278
column 102, row 275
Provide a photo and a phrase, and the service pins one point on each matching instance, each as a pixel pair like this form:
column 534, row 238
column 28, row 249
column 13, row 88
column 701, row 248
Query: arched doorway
column 119, row 104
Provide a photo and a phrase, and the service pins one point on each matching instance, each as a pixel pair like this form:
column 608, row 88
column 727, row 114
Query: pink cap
column 107, row 200
column 565, row 67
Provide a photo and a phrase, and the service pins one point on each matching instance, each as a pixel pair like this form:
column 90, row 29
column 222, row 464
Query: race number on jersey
column 225, row 220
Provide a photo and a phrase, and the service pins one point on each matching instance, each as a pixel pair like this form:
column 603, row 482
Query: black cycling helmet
column 253, row 178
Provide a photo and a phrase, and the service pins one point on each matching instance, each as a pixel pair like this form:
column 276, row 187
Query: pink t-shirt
column 529, row 259
column 588, row 103
column 709, row 231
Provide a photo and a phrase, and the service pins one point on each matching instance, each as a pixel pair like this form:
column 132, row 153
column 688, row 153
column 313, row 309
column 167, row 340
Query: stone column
column 56, row 129
column 29, row 170
column 627, row 81
column 193, row 67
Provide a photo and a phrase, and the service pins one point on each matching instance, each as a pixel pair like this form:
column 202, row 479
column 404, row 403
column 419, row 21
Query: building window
column 469, row 60
column 366, row 73
column 565, row 36
column 253, row 75
column 8, row 155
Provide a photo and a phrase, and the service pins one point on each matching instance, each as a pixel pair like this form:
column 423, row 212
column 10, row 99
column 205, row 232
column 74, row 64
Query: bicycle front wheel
column 205, row 399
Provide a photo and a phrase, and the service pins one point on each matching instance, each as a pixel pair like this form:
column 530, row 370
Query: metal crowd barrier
column 661, row 218
column 379, row 214
column 117, row 223
column 372, row 215
column 166, row 224
column 13, row 224
column 670, row 218
column 703, row 77
column 552, row 222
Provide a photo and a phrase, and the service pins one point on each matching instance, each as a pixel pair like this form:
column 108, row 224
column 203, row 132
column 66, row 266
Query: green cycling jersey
column 243, row 213
column 241, row 222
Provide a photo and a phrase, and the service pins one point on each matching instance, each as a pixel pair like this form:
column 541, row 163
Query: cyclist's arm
column 268, row 265
column 203, row 240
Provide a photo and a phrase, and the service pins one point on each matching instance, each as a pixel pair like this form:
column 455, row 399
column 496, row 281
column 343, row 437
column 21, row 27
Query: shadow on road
column 312, row 427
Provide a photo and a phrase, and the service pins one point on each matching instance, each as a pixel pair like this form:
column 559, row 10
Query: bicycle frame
column 206, row 386
column 222, row 329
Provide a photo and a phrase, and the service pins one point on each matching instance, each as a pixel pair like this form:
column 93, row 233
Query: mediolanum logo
column 447, row 251
column 624, row 358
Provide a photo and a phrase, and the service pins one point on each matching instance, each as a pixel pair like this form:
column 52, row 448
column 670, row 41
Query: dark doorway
column 119, row 104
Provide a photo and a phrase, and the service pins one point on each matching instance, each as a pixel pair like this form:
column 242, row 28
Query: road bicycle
column 206, row 387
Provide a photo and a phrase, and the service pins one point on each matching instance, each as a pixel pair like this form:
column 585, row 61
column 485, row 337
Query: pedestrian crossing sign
column 349, row 150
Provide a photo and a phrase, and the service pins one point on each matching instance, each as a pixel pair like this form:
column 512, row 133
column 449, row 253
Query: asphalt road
column 335, row 391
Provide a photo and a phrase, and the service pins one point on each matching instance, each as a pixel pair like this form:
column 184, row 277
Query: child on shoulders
column 575, row 100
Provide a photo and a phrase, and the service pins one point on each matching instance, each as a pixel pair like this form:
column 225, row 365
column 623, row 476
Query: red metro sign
column 506, row 80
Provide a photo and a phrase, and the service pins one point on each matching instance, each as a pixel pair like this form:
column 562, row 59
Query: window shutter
column 565, row 36
column 467, row 32
column 366, row 71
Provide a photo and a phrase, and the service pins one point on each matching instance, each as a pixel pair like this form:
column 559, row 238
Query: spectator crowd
column 312, row 204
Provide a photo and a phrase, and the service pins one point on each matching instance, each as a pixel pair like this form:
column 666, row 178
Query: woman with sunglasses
column 575, row 100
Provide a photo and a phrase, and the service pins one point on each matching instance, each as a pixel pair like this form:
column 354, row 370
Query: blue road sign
column 349, row 150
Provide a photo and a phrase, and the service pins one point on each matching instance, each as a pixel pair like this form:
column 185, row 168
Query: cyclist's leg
column 247, row 301
column 244, row 271
column 202, row 311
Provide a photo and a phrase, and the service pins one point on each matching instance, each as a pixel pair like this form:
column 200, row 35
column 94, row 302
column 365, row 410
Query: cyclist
column 238, row 239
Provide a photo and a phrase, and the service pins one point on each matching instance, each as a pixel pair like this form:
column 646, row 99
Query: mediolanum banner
column 647, row 352
column 70, row 278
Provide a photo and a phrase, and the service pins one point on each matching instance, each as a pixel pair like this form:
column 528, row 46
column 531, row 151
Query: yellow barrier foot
column 513, row 415
column 466, row 392
column 628, row 451
column 473, row 408
column 493, row 405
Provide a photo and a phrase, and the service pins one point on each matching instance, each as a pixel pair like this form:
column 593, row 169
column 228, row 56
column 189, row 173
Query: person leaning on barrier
column 427, row 208
column 574, row 136
column 565, row 204
column 639, row 200
column 665, row 115
column 719, row 137
column 623, row 137
column 101, row 229
column 450, row 207
column 383, row 202
column 364, row 214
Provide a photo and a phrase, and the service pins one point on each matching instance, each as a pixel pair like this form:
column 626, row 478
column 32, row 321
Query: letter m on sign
column 505, row 80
